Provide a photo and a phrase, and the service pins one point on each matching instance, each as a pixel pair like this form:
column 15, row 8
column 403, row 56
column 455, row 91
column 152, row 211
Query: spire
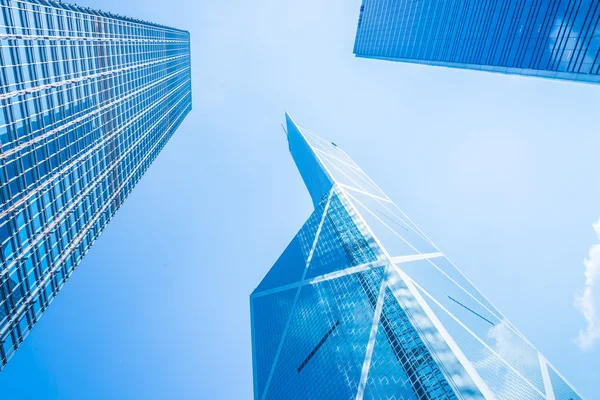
column 317, row 180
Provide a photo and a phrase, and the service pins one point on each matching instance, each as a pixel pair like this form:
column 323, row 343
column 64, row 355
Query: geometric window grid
column 88, row 99
column 556, row 39
column 368, row 307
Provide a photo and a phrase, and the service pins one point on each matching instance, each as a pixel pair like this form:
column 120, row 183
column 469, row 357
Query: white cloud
column 515, row 352
column 588, row 302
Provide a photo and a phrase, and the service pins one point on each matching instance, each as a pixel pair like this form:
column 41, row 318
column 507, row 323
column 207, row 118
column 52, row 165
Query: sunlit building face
column 361, row 304
column 558, row 39
column 87, row 101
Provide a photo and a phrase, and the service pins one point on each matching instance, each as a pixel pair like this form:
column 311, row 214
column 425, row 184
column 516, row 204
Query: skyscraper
column 549, row 38
column 88, row 100
column 361, row 304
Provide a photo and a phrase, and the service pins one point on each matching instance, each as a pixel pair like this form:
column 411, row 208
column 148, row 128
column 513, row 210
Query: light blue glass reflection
column 362, row 305
column 548, row 38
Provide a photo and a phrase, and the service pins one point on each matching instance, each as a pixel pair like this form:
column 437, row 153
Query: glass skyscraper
column 362, row 305
column 88, row 100
column 549, row 38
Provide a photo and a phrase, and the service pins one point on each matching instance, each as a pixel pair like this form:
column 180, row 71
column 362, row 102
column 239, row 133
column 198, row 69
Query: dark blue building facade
column 557, row 39
column 87, row 101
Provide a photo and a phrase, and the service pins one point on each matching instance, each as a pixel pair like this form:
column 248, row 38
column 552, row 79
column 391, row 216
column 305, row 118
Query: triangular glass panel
column 502, row 378
column 290, row 266
column 562, row 390
column 390, row 225
column 391, row 241
column 447, row 268
column 402, row 364
column 317, row 181
column 492, row 330
column 340, row 245
column 346, row 175
column 386, row 377
column 269, row 317
column 324, row 349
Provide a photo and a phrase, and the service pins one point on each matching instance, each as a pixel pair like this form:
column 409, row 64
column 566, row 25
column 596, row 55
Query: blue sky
column 500, row 172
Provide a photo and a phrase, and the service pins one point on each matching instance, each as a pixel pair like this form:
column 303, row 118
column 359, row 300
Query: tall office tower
column 362, row 305
column 88, row 100
column 549, row 38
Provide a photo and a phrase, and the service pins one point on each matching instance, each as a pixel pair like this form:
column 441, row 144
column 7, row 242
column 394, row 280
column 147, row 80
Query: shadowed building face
column 361, row 304
column 557, row 39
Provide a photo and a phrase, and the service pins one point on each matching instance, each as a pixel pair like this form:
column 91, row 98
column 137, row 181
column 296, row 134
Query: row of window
column 53, row 258
column 62, row 150
column 553, row 35
column 26, row 66
column 67, row 108
column 80, row 122
column 70, row 184
column 43, row 18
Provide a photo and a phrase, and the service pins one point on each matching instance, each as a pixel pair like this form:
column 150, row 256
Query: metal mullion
column 476, row 32
column 55, row 212
column 538, row 47
column 61, row 206
column 159, row 143
column 555, row 59
column 512, row 32
column 589, row 15
column 117, row 72
column 529, row 28
column 467, row 28
column 146, row 87
column 447, row 18
column 544, row 34
column 81, row 14
column 559, row 47
column 586, row 50
column 496, row 39
column 447, row 29
column 487, row 32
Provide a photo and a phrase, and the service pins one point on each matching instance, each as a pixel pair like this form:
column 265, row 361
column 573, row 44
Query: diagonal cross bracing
column 289, row 319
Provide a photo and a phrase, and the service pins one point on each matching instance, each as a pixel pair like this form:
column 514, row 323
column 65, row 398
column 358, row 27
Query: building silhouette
column 88, row 99
column 362, row 305
column 557, row 39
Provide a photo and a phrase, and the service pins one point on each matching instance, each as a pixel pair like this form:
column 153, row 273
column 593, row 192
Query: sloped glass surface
column 410, row 358
column 352, row 172
column 447, row 361
column 502, row 378
column 345, row 175
column 316, row 180
column 391, row 239
column 386, row 376
column 270, row 314
column 390, row 226
column 340, row 245
column 311, row 367
column 496, row 333
column 562, row 391
column 431, row 278
column 290, row 266
column 328, row 147
column 437, row 336
column 453, row 274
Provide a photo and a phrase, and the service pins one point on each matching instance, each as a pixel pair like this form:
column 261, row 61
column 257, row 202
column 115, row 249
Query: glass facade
column 88, row 100
column 557, row 39
column 362, row 305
